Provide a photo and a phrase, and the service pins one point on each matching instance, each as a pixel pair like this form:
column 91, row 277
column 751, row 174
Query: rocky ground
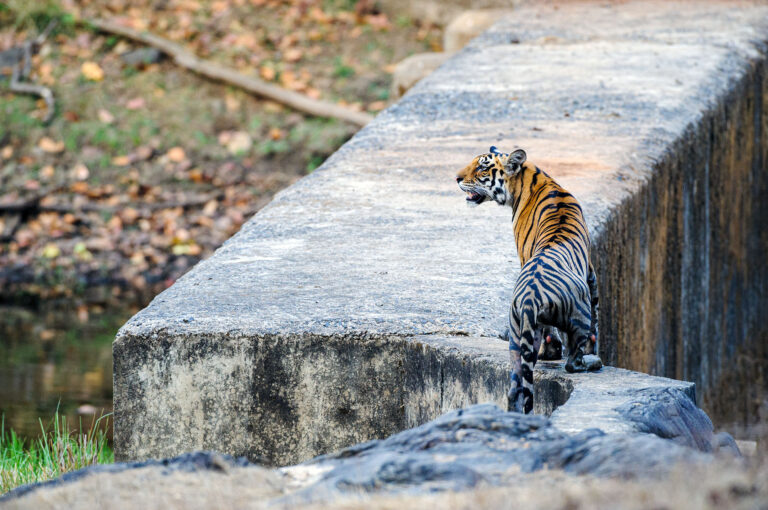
column 479, row 457
column 147, row 168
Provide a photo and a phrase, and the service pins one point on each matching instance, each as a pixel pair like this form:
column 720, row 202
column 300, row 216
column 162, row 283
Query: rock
column 436, row 12
column 483, row 444
column 478, row 446
column 187, row 462
column 671, row 415
column 142, row 57
column 468, row 25
column 414, row 68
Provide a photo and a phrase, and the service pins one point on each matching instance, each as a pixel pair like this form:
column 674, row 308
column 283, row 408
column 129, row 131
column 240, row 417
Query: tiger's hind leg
column 578, row 359
column 577, row 343
column 552, row 347
column 523, row 349
column 515, row 397
column 578, row 331
column 595, row 311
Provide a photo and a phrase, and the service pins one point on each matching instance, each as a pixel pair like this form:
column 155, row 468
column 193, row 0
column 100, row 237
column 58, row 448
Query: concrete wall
column 367, row 298
column 682, row 261
column 281, row 400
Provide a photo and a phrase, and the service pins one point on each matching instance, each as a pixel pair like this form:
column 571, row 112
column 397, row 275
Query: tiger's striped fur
column 557, row 287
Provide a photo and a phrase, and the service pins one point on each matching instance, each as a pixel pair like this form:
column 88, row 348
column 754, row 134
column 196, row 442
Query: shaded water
column 58, row 355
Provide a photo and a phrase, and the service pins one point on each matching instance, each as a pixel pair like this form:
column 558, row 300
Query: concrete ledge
column 341, row 307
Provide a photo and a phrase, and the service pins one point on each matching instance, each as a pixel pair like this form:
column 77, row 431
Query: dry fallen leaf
column 82, row 313
column 176, row 154
column 377, row 106
column 105, row 116
column 44, row 71
column 276, row 133
column 121, row 160
column 51, row 251
column 209, row 209
column 231, row 103
column 293, row 55
column 129, row 215
column 196, row 175
column 80, row 187
column 137, row 103
column 92, row 71
column 81, row 252
column 47, row 172
column 115, row 224
column 239, row 142
column 79, row 172
column 50, row 146
column 143, row 152
column 267, row 73
column 186, row 249
column 378, row 21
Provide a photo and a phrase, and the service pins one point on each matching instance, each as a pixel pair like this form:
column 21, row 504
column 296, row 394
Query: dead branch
column 227, row 75
column 21, row 69
column 10, row 224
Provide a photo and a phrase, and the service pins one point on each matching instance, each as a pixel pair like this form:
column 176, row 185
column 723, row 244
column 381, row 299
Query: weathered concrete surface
column 297, row 336
column 480, row 446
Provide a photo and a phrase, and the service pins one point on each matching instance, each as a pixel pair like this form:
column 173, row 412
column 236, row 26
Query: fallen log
column 230, row 76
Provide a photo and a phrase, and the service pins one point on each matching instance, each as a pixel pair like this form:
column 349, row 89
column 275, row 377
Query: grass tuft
column 58, row 450
column 33, row 13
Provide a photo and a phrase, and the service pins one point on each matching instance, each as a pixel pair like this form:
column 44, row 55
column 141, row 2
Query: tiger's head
column 487, row 177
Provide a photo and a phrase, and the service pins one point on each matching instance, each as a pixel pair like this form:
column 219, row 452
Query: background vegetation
column 144, row 169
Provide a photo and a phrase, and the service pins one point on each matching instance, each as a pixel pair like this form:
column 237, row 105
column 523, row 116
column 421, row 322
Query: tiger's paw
column 583, row 363
column 575, row 364
column 516, row 400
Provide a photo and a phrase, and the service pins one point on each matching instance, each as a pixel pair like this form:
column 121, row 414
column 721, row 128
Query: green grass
column 33, row 14
column 342, row 70
column 58, row 450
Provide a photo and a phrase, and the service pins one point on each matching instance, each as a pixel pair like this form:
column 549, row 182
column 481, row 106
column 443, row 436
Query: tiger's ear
column 515, row 161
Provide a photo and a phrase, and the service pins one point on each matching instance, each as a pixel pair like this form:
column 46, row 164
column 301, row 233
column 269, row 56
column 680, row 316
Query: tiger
column 557, row 285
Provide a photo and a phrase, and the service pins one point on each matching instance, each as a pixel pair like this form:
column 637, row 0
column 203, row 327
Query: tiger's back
column 546, row 216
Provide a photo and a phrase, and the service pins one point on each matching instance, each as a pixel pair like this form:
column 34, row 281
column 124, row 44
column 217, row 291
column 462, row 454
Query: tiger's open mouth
column 474, row 198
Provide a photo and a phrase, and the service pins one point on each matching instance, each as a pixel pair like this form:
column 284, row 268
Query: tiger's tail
column 523, row 354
